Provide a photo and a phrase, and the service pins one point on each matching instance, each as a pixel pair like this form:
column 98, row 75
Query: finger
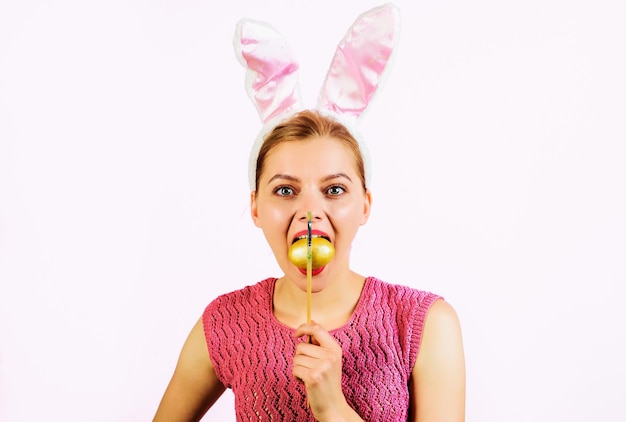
column 301, row 373
column 306, row 328
column 304, row 361
column 318, row 333
column 302, row 367
column 311, row 370
column 314, row 351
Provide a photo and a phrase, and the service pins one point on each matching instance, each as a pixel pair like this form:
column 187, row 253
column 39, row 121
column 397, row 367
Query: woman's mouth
column 314, row 233
column 320, row 248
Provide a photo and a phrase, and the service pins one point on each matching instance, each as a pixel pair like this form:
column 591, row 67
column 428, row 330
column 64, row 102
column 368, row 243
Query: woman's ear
column 254, row 212
column 367, row 206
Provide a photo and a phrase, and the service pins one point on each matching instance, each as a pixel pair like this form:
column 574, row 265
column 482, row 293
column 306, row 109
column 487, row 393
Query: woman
column 373, row 351
column 403, row 346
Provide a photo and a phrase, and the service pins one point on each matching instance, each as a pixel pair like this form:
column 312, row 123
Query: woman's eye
column 284, row 191
column 335, row 190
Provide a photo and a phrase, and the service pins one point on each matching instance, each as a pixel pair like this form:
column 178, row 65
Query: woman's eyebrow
column 336, row 176
column 290, row 178
column 284, row 177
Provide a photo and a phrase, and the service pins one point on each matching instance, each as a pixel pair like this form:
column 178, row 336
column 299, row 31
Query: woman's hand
column 318, row 365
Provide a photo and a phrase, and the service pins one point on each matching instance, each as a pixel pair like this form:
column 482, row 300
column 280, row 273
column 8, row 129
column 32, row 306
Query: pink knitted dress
column 252, row 352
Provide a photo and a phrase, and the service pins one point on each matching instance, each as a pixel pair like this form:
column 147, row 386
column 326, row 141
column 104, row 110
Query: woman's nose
column 304, row 216
column 310, row 203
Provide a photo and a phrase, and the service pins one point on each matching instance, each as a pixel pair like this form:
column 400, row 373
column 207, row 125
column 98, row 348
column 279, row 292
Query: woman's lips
column 306, row 233
column 313, row 272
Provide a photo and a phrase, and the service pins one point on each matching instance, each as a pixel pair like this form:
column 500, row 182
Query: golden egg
column 322, row 251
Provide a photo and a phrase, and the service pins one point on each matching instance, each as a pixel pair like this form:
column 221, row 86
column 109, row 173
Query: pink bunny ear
column 356, row 71
column 355, row 74
column 272, row 71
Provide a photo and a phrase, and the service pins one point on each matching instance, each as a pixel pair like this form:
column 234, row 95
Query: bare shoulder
column 194, row 387
column 442, row 321
column 438, row 378
column 442, row 340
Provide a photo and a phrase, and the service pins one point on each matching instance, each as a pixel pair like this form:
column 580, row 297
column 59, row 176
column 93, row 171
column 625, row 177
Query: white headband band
column 356, row 73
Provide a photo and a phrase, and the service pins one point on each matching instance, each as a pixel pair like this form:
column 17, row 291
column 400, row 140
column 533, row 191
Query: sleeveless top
column 252, row 352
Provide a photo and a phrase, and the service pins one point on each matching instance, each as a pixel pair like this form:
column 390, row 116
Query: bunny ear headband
column 355, row 74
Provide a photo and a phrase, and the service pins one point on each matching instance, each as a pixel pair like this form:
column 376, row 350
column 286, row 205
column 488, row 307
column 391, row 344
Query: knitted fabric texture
column 253, row 352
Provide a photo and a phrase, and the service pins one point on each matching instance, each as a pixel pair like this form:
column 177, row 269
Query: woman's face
column 317, row 176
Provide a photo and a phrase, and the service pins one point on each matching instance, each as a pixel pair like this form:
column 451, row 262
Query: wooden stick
column 309, row 276
column 309, row 270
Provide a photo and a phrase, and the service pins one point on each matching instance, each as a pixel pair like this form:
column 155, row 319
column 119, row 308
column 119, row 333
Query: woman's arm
column 194, row 387
column 438, row 378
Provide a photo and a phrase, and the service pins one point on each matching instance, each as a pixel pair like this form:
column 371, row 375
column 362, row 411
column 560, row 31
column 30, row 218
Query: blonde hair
column 304, row 125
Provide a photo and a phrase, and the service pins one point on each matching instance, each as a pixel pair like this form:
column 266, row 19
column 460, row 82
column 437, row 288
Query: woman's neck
column 331, row 307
